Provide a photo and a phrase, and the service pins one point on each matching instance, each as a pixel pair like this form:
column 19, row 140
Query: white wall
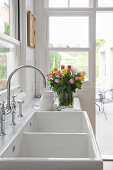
column 30, row 59
column 27, row 53
column 40, row 51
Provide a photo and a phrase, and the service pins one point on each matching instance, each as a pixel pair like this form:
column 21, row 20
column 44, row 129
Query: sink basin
column 51, row 151
column 60, row 122
column 51, row 146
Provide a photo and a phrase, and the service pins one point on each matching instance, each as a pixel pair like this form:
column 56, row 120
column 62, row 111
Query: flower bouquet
column 65, row 81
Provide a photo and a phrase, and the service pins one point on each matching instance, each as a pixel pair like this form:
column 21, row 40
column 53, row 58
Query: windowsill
column 14, row 90
column 5, row 91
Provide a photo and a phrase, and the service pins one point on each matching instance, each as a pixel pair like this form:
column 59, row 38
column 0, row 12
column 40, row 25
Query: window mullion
column 70, row 49
column 90, row 3
column 9, row 39
column 68, row 3
column 105, row 9
column 96, row 3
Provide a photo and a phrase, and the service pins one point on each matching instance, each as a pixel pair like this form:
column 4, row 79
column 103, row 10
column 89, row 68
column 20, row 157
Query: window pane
column 78, row 60
column 104, row 46
column 4, row 16
column 58, row 3
column 6, row 62
column 105, row 3
column 68, row 32
column 79, row 3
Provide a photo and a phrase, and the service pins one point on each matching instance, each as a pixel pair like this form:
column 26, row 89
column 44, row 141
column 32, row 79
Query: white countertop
column 76, row 107
column 28, row 111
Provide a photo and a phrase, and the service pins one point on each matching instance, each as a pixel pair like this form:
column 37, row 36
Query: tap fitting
column 2, row 114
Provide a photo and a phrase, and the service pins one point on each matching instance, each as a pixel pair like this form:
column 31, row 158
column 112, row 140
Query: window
column 9, row 45
column 69, row 41
column 7, row 52
column 68, row 32
column 68, row 3
column 71, row 32
column 58, row 3
column 105, row 3
column 79, row 3
column 4, row 17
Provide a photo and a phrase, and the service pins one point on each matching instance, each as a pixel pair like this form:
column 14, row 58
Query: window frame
column 92, row 10
column 87, row 49
column 8, row 38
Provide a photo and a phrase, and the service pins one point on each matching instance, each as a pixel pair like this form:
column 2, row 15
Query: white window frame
column 89, row 49
column 14, row 41
column 91, row 11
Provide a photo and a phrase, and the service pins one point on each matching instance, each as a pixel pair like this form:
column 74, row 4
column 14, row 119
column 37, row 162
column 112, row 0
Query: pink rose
column 56, row 81
column 59, row 72
column 71, row 81
column 49, row 75
column 77, row 78
column 56, row 72
column 62, row 67
column 69, row 67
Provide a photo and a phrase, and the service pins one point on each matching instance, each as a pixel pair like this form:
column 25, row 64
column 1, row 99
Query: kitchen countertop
column 76, row 107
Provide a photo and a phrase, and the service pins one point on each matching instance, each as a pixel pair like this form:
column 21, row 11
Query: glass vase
column 65, row 99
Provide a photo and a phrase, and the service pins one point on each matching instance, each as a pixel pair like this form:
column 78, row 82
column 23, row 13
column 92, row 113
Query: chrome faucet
column 11, row 107
column 10, row 77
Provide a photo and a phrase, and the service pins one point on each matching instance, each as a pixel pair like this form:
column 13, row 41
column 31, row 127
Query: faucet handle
column 2, row 119
column 20, row 102
column 13, row 110
column 13, row 98
column 2, row 107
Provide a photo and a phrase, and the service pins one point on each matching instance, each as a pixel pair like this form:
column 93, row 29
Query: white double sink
column 53, row 141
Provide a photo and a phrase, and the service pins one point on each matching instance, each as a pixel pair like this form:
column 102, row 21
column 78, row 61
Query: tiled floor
column 104, row 130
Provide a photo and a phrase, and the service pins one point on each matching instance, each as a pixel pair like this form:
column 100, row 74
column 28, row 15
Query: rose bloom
column 69, row 67
column 49, row 75
column 64, row 71
column 82, row 77
column 59, row 72
column 71, row 81
column 56, row 72
column 56, row 81
column 62, row 67
column 51, row 71
column 77, row 78
column 55, row 68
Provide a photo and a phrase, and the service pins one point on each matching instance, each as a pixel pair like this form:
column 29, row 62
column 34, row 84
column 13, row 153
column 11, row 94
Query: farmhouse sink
column 53, row 141
column 60, row 122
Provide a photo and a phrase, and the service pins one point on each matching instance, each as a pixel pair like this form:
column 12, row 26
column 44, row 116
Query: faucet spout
column 11, row 75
